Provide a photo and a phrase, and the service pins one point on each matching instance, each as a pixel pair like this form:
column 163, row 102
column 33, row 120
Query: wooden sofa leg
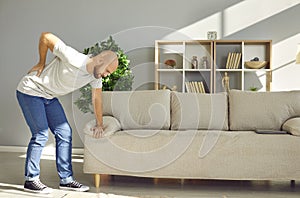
column 182, row 182
column 293, row 183
column 97, row 180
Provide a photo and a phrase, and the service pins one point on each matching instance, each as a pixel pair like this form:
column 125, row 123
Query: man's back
column 64, row 74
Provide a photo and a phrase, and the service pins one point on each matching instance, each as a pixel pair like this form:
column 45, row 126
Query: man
column 37, row 95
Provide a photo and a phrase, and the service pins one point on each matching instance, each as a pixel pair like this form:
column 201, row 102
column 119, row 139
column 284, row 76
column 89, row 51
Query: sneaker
column 75, row 186
column 37, row 186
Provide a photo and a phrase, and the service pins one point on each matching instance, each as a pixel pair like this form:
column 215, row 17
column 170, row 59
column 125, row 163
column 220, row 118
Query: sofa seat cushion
column 130, row 151
column 149, row 109
column 199, row 111
column 230, row 155
column 262, row 110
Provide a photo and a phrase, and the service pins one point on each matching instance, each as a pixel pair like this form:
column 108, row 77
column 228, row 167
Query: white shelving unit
column 216, row 51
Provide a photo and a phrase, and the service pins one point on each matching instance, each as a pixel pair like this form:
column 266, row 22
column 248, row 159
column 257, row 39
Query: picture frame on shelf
column 211, row 35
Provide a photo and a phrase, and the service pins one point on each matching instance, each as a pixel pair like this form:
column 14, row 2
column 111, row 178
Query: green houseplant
column 253, row 88
column 120, row 80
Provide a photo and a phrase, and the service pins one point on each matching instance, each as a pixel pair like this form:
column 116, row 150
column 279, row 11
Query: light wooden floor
column 12, row 168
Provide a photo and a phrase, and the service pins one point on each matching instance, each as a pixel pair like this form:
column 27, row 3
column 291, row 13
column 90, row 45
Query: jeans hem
column 32, row 178
column 66, row 180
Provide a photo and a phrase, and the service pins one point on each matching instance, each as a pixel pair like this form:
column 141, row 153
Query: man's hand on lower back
column 37, row 68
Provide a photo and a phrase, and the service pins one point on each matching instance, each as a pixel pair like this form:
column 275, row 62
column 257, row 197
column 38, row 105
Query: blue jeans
column 41, row 114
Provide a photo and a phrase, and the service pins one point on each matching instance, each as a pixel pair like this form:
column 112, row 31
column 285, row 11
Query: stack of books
column 195, row 87
column 233, row 60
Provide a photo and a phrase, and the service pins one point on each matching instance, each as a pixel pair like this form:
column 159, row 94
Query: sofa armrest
column 292, row 126
column 110, row 125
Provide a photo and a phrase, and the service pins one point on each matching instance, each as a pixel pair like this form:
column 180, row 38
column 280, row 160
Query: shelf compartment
column 169, row 50
column 235, row 81
column 260, row 49
column 201, row 49
column 178, row 58
column 255, row 79
column 204, row 77
column 170, row 79
column 222, row 50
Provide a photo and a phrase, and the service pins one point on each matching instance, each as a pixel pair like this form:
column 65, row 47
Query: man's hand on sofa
column 98, row 131
column 110, row 126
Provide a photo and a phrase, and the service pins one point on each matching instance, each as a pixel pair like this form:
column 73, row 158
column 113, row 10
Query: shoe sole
column 47, row 191
column 74, row 189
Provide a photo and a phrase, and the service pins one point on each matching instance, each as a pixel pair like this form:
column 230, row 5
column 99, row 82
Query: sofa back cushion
column 139, row 109
column 262, row 110
column 199, row 111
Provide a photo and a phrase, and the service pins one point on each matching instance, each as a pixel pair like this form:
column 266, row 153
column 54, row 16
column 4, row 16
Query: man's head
column 105, row 63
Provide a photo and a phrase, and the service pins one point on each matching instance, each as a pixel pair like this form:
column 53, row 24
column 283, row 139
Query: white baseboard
column 17, row 149
column 47, row 150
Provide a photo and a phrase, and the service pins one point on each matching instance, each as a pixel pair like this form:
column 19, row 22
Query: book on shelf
column 228, row 60
column 187, row 87
column 195, row 87
column 233, row 60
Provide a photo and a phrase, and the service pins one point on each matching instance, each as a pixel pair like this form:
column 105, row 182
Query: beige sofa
column 163, row 134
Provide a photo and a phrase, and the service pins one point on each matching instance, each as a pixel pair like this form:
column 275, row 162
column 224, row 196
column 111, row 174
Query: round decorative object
column 255, row 64
column 170, row 62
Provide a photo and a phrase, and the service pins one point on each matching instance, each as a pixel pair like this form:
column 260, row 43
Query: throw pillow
column 199, row 111
column 292, row 126
column 110, row 124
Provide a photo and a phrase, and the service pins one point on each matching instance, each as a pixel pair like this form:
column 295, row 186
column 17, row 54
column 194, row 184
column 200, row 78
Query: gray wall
column 135, row 24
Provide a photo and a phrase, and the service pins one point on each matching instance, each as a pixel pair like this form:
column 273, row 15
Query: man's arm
column 97, row 104
column 47, row 41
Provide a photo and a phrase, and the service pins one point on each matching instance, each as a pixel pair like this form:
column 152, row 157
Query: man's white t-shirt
column 64, row 74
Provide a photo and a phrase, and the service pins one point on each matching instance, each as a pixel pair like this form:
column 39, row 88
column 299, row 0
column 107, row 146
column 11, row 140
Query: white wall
column 135, row 24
